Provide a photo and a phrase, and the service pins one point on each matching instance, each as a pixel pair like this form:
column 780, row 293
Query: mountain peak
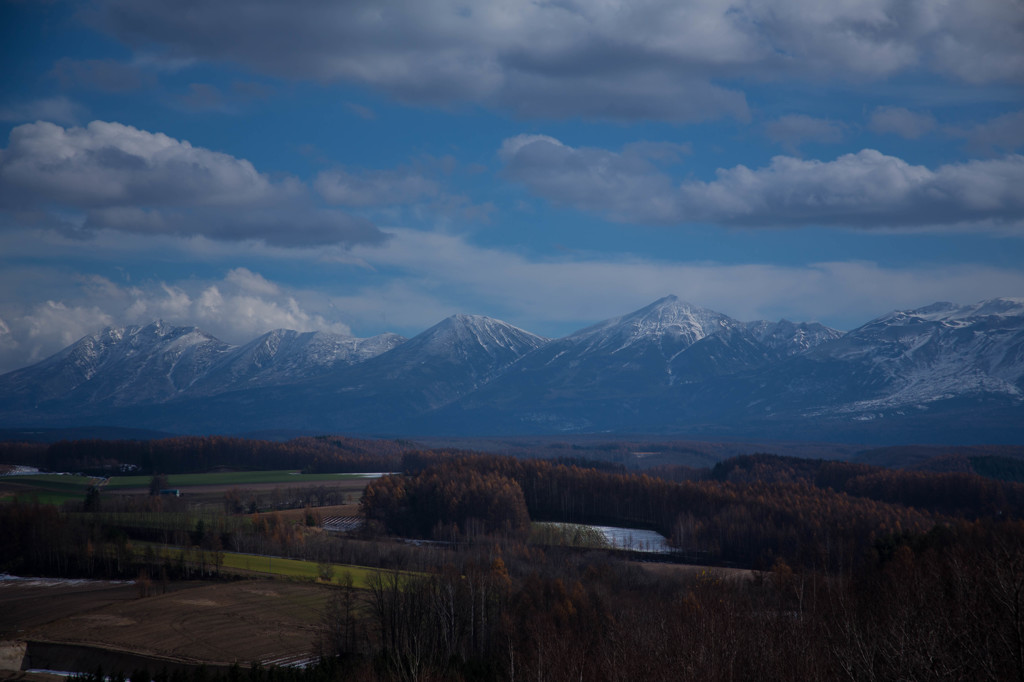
column 668, row 316
column 462, row 331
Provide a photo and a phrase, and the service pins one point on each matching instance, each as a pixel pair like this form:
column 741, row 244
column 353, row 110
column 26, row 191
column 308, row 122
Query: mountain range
column 941, row 374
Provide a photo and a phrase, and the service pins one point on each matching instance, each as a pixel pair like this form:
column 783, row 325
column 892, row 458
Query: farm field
column 280, row 567
column 46, row 488
column 60, row 488
column 232, row 478
column 212, row 623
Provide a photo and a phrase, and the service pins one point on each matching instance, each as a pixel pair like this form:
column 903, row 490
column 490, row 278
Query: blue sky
column 363, row 167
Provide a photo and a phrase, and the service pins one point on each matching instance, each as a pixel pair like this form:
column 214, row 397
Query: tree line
column 190, row 454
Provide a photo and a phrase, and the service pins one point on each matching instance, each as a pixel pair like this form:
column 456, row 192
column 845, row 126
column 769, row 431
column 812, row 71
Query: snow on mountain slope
column 285, row 356
column 668, row 321
column 383, row 393
column 158, row 362
column 464, row 335
column 791, row 337
column 119, row 367
column 939, row 352
column 470, row 348
column 665, row 367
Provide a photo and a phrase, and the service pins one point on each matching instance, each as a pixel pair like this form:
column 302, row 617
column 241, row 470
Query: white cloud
column 7, row 341
column 618, row 59
column 113, row 176
column 252, row 282
column 111, row 165
column 557, row 296
column 902, row 122
column 866, row 189
column 625, row 186
column 511, row 147
column 428, row 276
column 236, row 309
column 53, row 325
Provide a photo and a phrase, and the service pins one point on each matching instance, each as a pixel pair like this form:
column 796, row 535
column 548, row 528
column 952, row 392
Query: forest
column 781, row 568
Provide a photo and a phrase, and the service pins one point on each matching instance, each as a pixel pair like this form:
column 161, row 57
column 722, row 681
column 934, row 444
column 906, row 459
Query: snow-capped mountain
column 475, row 343
column 634, row 371
column 158, row 363
column 121, row 366
column 671, row 324
column 284, row 356
column 910, row 359
column 380, row 395
column 791, row 338
column 942, row 373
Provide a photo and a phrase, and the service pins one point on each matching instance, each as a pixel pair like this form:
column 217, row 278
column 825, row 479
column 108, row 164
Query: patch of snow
column 8, row 580
column 20, row 470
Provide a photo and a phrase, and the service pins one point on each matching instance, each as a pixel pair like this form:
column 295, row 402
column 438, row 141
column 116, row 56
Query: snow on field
column 7, row 580
column 342, row 523
column 19, row 470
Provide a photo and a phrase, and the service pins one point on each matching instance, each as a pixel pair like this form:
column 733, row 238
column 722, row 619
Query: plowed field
column 253, row 620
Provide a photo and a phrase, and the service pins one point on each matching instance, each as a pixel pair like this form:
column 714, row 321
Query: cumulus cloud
column 53, row 325
column 793, row 130
column 613, row 60
column 902, row 122
column 113, row 176
column 625, row 186
column 866, row 189
column 242, row 305
column 252, row 282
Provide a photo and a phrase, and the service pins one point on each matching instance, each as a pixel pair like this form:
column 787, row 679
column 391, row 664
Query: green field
column 285, row 568
column 46, row 488
column 229, row 478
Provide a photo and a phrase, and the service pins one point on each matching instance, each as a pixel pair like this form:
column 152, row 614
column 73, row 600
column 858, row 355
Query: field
column 46, row 488
column 232, row 478
column 60, row 488
column 296, row 569
column 252, row 620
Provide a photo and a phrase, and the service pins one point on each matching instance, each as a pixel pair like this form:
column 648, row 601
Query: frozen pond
column 611, row 537
column 634, row 539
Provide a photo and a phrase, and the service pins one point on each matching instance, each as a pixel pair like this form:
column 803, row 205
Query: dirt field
column 212, row 623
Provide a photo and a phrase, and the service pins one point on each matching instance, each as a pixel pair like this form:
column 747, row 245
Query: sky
column 370, row 166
